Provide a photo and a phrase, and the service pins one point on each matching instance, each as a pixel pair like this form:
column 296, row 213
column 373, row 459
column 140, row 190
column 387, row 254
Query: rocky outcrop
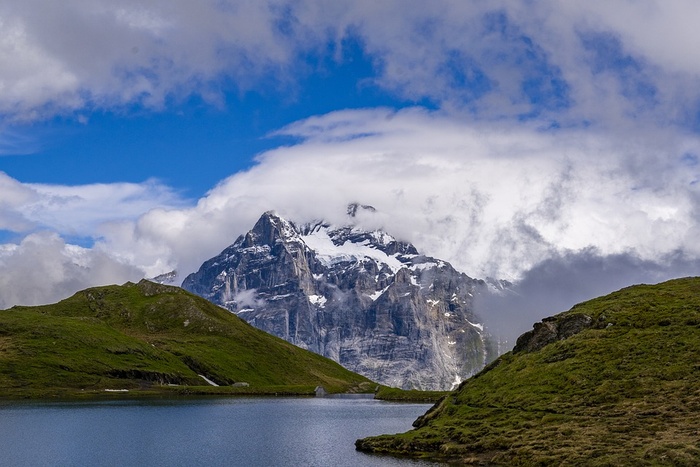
column 552, row 329
column 363, row 298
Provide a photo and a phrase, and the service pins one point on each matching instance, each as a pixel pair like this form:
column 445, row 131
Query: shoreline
column 116, row 393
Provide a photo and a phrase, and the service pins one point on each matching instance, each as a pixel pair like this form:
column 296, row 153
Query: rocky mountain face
column 362, row 298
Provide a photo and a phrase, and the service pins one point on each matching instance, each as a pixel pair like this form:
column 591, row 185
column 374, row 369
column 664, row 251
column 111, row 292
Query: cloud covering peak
column 494, row 200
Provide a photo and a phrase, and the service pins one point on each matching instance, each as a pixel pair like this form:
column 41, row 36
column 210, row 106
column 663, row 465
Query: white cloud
column 77, row 210
column 493, row 200
column 57, row 57
column 44, row 269
column 14, row 195
column 658, row 31
column 596, row 61
column 81, row 209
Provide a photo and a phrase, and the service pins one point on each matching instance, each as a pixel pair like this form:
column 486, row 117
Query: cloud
column 81, row 209
column 559, row 282
column 548, row 59
column 44, row 269
column 59, row 58
column 77, row 210
column 16, row 142
column 495, row 200
column 14, row 195
column 247, row 298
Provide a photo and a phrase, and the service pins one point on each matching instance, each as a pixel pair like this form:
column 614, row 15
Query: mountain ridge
column 363, row 298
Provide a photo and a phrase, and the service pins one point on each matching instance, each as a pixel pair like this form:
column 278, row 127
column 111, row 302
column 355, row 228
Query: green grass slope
column 619, row 386
column 146, row 338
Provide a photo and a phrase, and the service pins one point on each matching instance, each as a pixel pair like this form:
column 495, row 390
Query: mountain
column 362, row 298
column 613, row 381
column 151, row 337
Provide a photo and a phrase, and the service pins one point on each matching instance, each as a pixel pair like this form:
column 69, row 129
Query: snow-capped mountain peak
column 363, row 298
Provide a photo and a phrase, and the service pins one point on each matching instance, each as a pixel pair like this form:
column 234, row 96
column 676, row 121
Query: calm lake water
column 211, row 432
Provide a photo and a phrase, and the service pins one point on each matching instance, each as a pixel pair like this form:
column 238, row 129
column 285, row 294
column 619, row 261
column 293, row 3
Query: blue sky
column 135, row 143
column 510, row 138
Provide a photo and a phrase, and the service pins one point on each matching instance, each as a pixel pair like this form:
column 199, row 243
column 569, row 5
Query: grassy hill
column 149, row 338
column 613, row 381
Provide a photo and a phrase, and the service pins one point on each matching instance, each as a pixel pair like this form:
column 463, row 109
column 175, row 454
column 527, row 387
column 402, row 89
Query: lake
column 207, row 431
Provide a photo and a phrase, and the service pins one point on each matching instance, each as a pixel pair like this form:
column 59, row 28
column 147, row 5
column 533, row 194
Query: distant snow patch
column 329, row 253
column 257, row 249
column 422, row 266
column 377, row 294
column 280, row 297
column 318, row 300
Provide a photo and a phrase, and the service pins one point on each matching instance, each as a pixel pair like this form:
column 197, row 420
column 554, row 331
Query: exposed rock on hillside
column 550, row 330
